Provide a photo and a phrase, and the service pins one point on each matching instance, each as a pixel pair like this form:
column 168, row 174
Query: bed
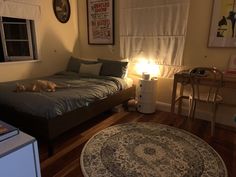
column 47, row 115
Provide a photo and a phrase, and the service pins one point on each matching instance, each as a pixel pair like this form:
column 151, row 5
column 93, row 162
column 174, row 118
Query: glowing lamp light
column 146, row 66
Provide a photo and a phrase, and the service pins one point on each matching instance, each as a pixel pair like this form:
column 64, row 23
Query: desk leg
column 172, row 108
column 180, row 101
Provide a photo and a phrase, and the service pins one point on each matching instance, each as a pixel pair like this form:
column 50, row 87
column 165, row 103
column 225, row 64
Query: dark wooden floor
column 66, row 161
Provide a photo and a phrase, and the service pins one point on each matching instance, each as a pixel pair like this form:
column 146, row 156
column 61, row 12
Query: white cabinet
column 19, row 157
column 147, row 96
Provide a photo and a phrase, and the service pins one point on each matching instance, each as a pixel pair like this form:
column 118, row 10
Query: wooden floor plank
column 66, row 161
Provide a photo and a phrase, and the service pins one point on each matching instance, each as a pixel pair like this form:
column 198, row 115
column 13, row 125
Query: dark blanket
column 83, row 90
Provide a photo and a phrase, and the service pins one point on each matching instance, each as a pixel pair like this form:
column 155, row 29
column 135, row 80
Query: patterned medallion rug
column 149, row 150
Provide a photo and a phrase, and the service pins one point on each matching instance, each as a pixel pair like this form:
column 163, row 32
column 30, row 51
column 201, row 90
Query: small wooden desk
column 183, row 78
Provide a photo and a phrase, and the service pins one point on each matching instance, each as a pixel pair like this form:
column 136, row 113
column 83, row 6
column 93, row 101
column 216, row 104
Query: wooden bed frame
column 50, row 129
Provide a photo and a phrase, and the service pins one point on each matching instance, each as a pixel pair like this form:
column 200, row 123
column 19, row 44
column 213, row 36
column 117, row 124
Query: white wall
column 196, row 52
column 55, row 42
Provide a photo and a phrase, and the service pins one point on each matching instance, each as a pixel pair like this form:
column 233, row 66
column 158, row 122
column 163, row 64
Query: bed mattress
column 82, row 91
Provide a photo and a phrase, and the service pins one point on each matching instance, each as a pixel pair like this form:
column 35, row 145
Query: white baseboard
column 161, row 106
column 198, row 114
column 223, row 116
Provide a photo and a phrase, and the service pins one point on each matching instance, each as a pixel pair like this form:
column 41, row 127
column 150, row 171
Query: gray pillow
column 113, row 68
column 74, row 64
column 93, row 69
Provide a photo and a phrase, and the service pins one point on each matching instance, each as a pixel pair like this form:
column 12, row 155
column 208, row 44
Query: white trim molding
column 223, row 116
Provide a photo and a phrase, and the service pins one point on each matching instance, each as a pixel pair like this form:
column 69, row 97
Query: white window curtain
column 25, row 9
column 154, row 30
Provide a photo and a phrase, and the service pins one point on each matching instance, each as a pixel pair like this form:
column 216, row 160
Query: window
column 152, row 34
column 17, row 40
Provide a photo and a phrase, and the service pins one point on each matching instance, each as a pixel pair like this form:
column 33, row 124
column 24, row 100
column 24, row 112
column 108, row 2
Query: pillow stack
column 102, row 67
column 74, row 64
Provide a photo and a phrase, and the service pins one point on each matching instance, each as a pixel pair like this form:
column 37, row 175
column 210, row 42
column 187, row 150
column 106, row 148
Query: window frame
column 31, row 41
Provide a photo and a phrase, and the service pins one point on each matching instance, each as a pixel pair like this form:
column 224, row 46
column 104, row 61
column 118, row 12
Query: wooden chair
column 205, row 85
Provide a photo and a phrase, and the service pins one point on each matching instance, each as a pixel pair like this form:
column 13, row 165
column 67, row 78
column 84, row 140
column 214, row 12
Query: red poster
column 100, row 21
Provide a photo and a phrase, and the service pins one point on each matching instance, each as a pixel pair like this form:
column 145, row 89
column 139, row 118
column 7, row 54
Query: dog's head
column 20, row 87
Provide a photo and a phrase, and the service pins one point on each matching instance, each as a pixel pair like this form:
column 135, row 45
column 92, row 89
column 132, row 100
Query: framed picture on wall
column 100, row 20
column 62, row 10
column 223, row 32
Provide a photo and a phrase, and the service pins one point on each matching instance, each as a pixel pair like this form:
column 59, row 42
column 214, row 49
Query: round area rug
column 149, row 150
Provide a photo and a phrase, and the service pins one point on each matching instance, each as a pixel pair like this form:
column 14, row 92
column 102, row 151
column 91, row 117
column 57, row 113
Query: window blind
column 154, row 30
column 25, row 9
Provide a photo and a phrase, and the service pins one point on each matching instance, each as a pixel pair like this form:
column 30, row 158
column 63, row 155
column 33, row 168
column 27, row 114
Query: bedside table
column 146, row 93
column 19, row 157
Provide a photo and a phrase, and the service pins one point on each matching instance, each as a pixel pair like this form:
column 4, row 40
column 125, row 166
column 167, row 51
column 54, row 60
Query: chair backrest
column 207, row 80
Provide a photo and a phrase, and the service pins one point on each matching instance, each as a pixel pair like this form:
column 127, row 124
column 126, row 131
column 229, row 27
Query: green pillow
column 93, row 69
column 113, row 68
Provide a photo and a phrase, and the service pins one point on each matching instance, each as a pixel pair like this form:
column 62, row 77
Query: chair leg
column 194, row 109
column 190, row 108
column 215, row 106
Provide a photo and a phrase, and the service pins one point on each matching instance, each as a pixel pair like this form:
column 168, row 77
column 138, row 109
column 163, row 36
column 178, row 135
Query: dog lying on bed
column 38, row 86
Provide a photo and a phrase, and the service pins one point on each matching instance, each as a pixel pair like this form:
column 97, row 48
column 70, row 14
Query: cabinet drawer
column 147, row 97
column 147, row 86
column 143, row 92
column 146, row 107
